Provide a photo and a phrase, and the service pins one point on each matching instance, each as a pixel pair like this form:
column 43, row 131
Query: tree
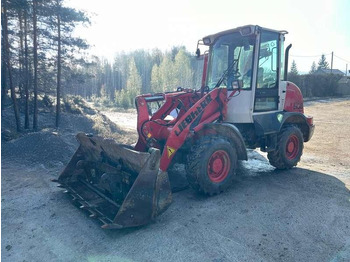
column 121, row 65
column 4, row 25
column 183, row 69
column 47, row 66
column 59, row 65
column 294, row 69
column 322, row 63
column 134, row 83
column 143, row 62
column 26, row 65
column 35, row 55
column 3, row 59
column 63, row 20
column 156, row 80
column 167, row 73
column 157, row 56
column 313, row 68
column 293, row 74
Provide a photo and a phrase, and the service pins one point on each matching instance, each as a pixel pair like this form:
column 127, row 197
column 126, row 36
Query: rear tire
column 211, row 165
column 289, row 149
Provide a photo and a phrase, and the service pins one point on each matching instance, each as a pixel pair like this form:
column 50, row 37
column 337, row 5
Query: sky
column 315, row 26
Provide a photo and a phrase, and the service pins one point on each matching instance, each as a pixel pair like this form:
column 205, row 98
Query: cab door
column 266, row 90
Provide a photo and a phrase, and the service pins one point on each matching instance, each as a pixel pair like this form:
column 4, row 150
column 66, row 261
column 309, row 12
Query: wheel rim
column 292, row 147
column 218, row 166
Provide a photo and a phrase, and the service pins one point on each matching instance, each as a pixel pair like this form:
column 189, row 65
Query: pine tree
column 156, row 81
column 143, row 61
column 59, row 64
column 31, row 22
column 322, row 63
column 35, row 53
column 183, row 71
column 61, row 21
column 8, row 64
column 167, row 73
column 313, row 68
column 294, row 69
column 134, row 83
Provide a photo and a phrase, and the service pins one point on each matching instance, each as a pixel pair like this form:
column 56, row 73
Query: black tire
column 211, row 165
column 290, row 144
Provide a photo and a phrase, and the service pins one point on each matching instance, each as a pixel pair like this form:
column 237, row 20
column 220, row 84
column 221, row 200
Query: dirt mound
column 47, row 148
column 51, row 146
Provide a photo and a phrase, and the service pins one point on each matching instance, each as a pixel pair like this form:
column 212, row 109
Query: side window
column 220, row 63
column 245, row 65
column 268, row 55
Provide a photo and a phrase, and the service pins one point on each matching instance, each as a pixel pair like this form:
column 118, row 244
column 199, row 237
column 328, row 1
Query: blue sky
column 315, row 26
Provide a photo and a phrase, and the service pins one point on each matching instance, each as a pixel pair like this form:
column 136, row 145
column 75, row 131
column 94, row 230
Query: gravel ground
column 302, row 214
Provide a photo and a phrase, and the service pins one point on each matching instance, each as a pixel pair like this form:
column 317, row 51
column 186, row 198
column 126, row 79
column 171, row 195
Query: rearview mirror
column 198, row 52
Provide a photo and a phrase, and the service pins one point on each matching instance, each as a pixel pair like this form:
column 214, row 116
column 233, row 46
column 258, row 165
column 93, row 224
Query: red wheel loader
column 245, row 102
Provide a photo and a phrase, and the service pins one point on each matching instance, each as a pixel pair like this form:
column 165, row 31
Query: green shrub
column 122, row 99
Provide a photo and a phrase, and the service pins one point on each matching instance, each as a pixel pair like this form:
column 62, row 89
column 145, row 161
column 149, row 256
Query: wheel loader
column 245, row 101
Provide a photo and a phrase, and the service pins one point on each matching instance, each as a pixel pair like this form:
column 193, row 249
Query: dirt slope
column 298, row 215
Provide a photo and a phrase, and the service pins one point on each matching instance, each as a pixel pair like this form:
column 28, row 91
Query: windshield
column 231, row 60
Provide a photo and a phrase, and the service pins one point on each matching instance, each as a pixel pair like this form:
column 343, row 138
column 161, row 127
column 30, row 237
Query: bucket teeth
column 104, row 221
column 104, row 226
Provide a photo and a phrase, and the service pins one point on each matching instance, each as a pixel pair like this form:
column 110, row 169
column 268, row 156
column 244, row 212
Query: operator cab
column 248, row 61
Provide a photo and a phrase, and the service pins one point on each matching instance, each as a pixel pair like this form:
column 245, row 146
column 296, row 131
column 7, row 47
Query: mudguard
column 233, row 134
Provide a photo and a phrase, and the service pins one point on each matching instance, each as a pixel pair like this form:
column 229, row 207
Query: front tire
column 289, row 148
column 211, row 165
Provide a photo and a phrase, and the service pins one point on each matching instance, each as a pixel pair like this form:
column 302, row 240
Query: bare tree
column 59, row 65
column 35, row 58
column 26, row 66
column 8, row 63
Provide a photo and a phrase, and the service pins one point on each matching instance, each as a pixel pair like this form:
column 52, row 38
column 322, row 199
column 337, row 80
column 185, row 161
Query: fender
column 272, row 123
column 294, row 99
column 233, row 134
column 304, row 122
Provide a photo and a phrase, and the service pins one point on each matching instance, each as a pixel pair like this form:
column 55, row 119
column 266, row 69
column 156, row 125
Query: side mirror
column 198, row 52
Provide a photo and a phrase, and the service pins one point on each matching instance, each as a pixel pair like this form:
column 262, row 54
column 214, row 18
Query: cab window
column 266, row 93
column 267, row 70
column 231, row 61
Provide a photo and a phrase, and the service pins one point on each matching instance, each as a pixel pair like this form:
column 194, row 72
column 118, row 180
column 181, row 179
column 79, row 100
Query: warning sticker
column 170, row 151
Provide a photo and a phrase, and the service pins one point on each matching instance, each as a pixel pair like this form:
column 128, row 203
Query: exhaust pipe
column 286, row 56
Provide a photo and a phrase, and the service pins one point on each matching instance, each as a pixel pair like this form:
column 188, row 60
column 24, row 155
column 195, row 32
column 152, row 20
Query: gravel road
column 302, row 214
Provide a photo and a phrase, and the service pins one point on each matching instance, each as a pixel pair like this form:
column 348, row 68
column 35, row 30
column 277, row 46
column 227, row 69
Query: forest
column 44, row 63
column 42, row 59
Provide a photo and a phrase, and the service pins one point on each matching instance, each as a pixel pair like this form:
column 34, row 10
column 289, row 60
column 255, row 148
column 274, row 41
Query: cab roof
column 244, row 30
